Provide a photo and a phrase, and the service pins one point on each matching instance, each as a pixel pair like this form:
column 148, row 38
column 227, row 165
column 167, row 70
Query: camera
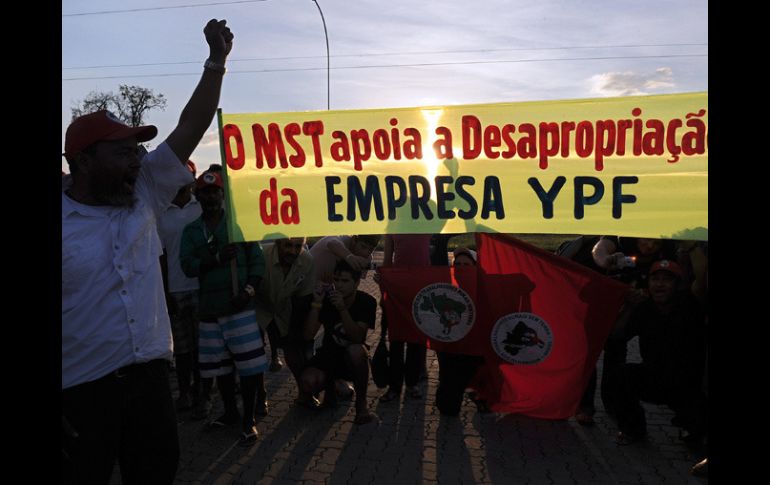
column 328, row 288
column 627, row 262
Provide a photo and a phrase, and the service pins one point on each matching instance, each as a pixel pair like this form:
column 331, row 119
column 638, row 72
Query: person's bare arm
column 312, row 324
column 356, row 331
column 200, row 109
column 699, row 265
column 605, row 254
column 343, row 253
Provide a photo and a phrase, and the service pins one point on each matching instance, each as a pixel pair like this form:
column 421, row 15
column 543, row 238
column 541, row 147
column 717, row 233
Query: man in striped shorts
column 229, row 334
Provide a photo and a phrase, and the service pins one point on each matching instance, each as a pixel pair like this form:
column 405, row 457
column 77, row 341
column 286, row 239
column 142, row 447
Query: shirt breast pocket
column 144, row 243
column 78, row 266
column 145, row 252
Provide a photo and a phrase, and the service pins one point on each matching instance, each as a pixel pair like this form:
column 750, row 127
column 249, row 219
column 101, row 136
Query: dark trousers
column 401, row 371
column 274, row 337
column 296, row 351
column 188, row 375
column 640, row 384
column 587, row 401
column 612, row 368
column 615, row 352
column 454, row 373
column 127, row 415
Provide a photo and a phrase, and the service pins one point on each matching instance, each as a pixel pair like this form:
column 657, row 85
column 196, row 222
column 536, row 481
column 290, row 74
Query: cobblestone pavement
column 414, row 444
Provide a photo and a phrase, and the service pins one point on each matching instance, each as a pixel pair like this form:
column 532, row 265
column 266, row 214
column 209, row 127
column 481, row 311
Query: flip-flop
column 249, row 437
column 262, row 408
column 310, row 403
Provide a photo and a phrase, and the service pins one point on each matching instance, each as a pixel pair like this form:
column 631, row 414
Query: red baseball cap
column 209, row 178
column 666, row 265
column 101, row 125
column 466, row 251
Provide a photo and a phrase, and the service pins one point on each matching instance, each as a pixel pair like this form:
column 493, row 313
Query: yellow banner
column 632, row 166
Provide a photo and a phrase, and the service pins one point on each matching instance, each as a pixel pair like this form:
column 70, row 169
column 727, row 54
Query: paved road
column 414, row 444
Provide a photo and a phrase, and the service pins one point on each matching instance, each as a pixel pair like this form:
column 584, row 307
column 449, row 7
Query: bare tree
column 130, row 104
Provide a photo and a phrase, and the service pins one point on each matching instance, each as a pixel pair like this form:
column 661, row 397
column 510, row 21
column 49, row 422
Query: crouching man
column 346, row 315
column 672, row 343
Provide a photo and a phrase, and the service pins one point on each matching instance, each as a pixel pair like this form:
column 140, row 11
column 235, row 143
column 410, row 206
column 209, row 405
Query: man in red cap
column 116, row 337
column 672, row 343
column 228, row 275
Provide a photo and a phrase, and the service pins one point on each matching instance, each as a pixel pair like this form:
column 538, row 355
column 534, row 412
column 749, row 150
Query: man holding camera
column 672, row 343
column 346, row 315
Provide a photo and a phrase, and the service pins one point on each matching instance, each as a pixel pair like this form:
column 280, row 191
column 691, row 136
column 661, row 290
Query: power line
column 425, row 64
column 193, row 5
column 380, row 54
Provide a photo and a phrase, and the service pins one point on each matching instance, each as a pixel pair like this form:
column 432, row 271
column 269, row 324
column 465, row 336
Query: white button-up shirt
column 113, row 307
column 170, row 227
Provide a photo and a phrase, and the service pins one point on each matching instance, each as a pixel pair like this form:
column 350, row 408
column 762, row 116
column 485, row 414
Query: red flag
column 434, row 306
column 547, row 320
column 539, row 320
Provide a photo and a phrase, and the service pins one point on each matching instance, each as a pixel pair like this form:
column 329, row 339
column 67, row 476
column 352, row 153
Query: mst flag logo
column 443, row 312
column 522, row 338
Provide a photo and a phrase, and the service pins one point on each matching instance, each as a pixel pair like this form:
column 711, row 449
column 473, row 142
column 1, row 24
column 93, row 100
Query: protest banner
column 636, row 166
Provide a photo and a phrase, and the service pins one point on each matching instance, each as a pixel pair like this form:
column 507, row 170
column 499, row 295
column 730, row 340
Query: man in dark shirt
column 672, row 343
column 627, row 259
column 346, row 315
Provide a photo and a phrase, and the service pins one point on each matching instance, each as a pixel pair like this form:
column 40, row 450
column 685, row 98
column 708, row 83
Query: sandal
column 346, row 393
column 389, row 396
column 261, row 409
column 276, row 365
column 700, row 469
column 249, row 437
column 310, row 402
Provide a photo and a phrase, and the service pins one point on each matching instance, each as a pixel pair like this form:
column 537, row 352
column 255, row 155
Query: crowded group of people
column 150, row 275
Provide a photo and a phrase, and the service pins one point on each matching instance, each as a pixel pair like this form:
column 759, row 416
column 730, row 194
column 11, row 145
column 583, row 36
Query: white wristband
column 214, row 66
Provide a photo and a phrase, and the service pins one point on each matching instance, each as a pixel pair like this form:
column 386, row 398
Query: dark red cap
column 666, row 265
column 102, row 125
column 209, row 178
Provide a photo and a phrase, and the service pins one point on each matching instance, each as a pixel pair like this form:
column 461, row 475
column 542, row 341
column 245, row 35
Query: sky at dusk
column 383, row 54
